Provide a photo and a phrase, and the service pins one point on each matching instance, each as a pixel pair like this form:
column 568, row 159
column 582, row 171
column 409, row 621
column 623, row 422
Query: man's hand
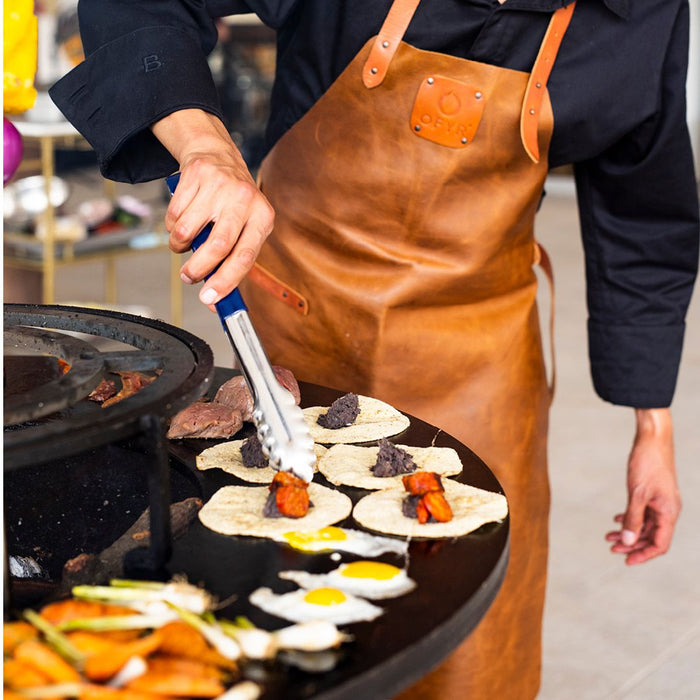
column 215, row 186
column 654, row 502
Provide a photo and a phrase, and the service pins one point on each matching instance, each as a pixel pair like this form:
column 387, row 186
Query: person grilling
column 388, row 245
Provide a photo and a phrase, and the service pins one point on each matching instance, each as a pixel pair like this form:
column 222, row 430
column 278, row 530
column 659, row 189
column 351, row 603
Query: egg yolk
column 307, row 540
column 376, row 570
column 325, row 596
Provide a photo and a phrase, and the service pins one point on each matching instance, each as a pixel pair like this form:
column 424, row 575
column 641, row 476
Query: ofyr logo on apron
column 447, row 112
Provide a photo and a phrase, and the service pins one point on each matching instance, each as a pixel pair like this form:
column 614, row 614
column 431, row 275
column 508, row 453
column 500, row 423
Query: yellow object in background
column 19, row 55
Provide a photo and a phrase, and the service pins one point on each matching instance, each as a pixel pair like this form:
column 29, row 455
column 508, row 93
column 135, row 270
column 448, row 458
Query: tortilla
column 471, row 508
column 350, row 465
column 376, row 420
column 238, row 510
column 227, row 456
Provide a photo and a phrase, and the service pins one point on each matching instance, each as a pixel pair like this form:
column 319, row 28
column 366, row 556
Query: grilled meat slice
column 205, row 420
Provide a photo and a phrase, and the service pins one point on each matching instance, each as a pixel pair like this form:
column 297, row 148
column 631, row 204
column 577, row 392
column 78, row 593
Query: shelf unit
column 25, row 251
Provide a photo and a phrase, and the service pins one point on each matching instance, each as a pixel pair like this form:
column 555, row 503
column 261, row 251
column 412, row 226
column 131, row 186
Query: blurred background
column 72, row 238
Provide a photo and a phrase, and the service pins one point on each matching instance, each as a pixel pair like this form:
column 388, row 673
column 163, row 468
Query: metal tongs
column 282, row 430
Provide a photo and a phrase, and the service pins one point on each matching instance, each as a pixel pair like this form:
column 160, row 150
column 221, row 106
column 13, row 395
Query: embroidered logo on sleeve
column 151, row 63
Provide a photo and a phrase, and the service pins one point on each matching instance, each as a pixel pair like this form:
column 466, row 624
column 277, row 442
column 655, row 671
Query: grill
column 75, row 472
column 77, row 476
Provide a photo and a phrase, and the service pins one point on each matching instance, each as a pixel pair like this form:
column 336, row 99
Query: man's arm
column 654, row 501
column 215, row 185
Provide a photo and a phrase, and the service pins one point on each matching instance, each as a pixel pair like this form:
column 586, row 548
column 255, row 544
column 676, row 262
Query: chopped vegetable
column 71, row 609
column 94, row 649
column 118, row 622
column 100, row 667
column 45, row 660
column 437, row 506
column 212, row 632
column 16, row 632
column 18, row 674
column 246, row 690
column 177, row 685
column 255, row 643
column 177, row 592
column 55, row 638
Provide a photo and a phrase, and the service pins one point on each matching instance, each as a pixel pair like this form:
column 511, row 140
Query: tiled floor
column 611, row 631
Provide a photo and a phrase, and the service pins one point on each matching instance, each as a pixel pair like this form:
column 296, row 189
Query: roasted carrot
column 15, row 632
column 437, row 506
column 181, row 639
column 419, row 483
column 18, row 674
column 421, row 511
column 72, row 609
column 91, row 643
column 41, row 657
column 178, row 685
column 121, row 635
column 100, row 667
column 292, row 501
column 186, row 667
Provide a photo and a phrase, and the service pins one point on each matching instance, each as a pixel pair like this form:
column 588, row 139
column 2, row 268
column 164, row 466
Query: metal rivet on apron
column 373, row 70
column 385, row 44
column 464, row 139
column 417, row 127
column 532, row 111
column 431, row 81
column 285, row 294
column 539, row 85
column 478, row 95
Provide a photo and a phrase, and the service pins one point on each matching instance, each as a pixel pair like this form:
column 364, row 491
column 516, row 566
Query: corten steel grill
column 62, row 451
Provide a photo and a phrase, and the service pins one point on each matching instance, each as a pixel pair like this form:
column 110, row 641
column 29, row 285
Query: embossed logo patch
column 447, row 112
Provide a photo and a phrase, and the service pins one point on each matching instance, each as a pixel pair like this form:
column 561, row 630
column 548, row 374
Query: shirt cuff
column 114, row 96
column 635, row 365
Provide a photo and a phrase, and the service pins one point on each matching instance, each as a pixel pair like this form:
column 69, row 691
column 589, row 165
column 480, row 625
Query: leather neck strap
column 388, row 41
column 534, row 92
column 396, row 23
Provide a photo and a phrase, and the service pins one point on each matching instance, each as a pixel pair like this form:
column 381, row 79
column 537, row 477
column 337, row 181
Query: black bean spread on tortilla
column 252, row 453
column 392, row 460
column 342, row 412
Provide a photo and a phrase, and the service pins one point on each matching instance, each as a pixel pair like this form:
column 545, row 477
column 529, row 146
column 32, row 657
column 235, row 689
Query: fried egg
column 329, row 604
column 346, row 540
column 368, row 579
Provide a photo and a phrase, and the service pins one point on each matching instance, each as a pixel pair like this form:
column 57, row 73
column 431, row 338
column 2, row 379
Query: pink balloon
column 12, row 149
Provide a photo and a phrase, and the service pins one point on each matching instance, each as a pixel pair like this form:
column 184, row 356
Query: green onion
column 55, row 638
column 116, row 622
column 212, row 632
column 126, row 591
column 255, row 643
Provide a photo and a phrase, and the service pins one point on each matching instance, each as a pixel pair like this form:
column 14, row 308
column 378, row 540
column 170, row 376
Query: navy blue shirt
column 618, row 96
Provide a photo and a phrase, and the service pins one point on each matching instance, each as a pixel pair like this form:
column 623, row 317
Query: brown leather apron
column 402, row 261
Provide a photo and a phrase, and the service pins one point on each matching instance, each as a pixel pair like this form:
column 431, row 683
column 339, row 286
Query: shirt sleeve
column 639, row 220
column 144, row 60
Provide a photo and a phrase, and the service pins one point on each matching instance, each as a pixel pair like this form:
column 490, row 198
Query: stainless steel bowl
column 26, row 198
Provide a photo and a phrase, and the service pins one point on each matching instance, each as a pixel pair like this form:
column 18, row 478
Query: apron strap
column 387, row 41
column 267, row 281
column 545, row 264
column 534, row 92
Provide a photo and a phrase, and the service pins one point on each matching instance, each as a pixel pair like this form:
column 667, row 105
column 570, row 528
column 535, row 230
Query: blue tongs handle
column 231, row 303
